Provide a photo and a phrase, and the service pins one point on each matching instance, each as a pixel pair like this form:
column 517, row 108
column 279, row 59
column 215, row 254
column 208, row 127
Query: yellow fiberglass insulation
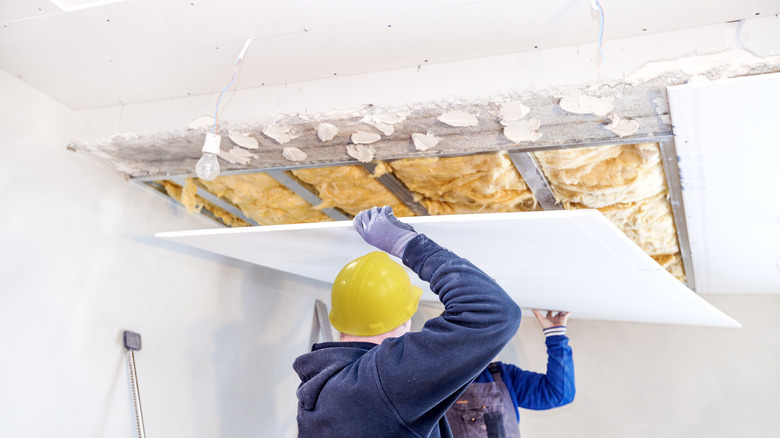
column 194, row 203
column 627, row 184
column 604, row 175
column 673, row 264
column 263, row 199
column 649, row 223
column 487, row 183
column 351, row 188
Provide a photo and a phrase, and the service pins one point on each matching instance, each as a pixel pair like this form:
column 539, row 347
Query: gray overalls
column 485, row 410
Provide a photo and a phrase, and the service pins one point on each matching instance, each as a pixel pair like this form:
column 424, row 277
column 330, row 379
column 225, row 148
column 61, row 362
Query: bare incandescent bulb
column 208, row 167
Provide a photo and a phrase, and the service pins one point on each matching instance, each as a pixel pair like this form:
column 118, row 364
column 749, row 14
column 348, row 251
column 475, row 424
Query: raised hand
column 380, row 228
column 552, row 319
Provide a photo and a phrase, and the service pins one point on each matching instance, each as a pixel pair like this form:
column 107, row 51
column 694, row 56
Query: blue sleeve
column 544, row 391
column 422, row 373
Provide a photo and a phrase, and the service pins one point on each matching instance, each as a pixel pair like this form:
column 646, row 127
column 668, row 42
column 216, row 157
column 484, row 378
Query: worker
column 381, row 380
column 488, row 408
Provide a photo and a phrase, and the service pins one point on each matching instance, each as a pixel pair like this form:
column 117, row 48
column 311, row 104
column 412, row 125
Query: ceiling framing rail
column 534, row 177
column 305, row 192
column 674, row 187
column 398, row 189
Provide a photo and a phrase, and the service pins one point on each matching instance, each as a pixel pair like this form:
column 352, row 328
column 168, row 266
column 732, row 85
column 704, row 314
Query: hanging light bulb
column 208, row 167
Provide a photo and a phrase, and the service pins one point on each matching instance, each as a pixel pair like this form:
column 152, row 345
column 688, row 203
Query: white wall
column 79, row 265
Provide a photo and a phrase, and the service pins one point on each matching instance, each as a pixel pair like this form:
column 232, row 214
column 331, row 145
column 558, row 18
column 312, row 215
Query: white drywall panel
column 562, row 260
column 728, row 143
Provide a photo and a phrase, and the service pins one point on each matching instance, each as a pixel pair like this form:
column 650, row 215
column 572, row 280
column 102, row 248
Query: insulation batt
column 673, row 264
column 194, row 203
column 263, row 199
column 351, row 188
column 627, row 184
column 604, row 175
column 649, row 223
column 469, row 184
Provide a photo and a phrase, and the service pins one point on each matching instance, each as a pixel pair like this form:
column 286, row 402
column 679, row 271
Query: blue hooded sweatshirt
column 404, row 386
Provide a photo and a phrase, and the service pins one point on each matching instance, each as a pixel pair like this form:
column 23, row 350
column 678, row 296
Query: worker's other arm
column 556, row 387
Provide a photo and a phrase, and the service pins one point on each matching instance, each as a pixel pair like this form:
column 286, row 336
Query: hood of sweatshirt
column 327, row 359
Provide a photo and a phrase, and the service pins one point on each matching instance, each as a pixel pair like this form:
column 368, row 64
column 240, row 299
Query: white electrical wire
column 235, row 73
column 597, row 6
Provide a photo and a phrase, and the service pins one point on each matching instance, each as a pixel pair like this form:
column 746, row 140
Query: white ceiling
column 145, row 50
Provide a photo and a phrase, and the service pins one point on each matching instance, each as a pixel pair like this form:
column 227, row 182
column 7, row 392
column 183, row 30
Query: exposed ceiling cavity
column 625, row 182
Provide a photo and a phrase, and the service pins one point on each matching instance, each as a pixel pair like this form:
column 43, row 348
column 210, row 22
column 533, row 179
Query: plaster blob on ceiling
column 362, row 153
column 423, row 142
column 512, row 111
column 592, row 270
column 522, row 130
column 458, row 119
column 583, row 104
column 293, row 154
column 243, row 139
column 391, row 119
column 326, row 131
column 363, row 137
column 385, row 128
column 236, row 155
column 622, row 127
column 281, row 134
column 384, row 122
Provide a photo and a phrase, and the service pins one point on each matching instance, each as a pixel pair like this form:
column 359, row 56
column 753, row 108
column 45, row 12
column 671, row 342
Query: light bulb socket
column 211, row 145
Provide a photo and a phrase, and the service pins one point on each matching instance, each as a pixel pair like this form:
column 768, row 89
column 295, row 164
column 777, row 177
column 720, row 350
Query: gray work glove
column 380, row 228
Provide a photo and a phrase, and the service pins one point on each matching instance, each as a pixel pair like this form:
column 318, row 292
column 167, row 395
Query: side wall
column 80, row 264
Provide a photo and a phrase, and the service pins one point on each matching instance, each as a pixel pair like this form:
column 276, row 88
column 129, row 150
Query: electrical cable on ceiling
column 207, row 167
column 597, row 7
column 235, row 73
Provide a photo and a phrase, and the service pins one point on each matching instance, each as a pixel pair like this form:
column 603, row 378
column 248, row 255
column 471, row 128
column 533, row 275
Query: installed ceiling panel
column 728, row 142
column 563, row 260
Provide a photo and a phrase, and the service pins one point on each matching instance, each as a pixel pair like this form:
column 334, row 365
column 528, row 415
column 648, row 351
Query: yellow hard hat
column 372, row 295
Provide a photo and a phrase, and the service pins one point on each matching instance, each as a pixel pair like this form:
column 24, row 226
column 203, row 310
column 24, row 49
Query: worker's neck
column 372, row 339
column 377, row 339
